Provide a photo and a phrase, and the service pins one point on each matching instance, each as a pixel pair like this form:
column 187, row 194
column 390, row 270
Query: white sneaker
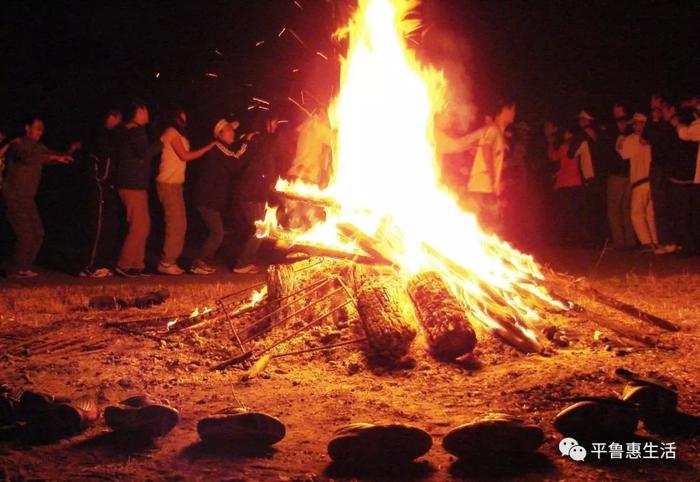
column 666, row 249
column 171, row 269
column 202, row 269
column 98, row 273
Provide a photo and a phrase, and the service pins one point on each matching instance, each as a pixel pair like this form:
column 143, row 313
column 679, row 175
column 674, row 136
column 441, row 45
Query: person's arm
column 4, row 149
column 446, row 144
column 689, row 133
column 184, row 154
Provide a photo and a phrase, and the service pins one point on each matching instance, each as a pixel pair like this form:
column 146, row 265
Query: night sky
column 70, row 61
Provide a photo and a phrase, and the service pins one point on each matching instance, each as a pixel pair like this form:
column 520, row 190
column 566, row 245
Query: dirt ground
column 316, row 393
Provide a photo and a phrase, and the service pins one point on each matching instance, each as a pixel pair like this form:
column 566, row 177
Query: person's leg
column 683, row 215
column 23, row 216
column 565, row 198
column 651, row 218
column 615, row 195
column 134, row 246
column 172, row 198
column 639, row 221
column 694, row 217
column 663, row 217
column 143, row 228
column 252, row 212
column 108, row 229
column 37, row 232
column 630, row 237
column 215, row 226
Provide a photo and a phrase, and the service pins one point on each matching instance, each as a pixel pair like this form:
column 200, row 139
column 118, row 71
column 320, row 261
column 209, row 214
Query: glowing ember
column 385, row 181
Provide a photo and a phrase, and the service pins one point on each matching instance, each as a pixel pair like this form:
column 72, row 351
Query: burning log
column 291, row 289
column 449, row 332
column 368, row 244
column 498, row 313
column 387, row 318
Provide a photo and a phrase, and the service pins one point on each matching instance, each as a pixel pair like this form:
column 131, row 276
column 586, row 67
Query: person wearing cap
column 585, row 148
column 169, row 184
column 618, row 181
column 638, row 151
column 221, row 168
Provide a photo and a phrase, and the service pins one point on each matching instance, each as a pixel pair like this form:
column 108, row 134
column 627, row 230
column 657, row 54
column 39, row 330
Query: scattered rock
column 369, row 443
column 242, row 427
column 599, row 418
column 496, row 434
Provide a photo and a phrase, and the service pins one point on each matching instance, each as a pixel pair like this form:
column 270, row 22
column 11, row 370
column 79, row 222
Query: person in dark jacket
column 221, row 169
column 105, row 206
column 269, row 157
column 619, row 190
column 662, row 137
column 586, row 148
column 26, row 158
column 135, row 155
column 685, row 193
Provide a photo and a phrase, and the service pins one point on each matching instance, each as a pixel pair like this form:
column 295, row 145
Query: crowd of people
column 631, row 183
column 124, row 160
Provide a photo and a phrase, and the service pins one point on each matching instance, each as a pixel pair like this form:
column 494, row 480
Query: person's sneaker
column 127, row 272
column 24, row 274
column 202, row 268
column 666, row 249
column 171, row 269
column 247, row 269
column 647, row 248
column 48, row 418
column 142, row 417
column 97, row 273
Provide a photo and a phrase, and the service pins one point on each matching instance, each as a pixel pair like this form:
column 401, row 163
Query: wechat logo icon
column 569, row 447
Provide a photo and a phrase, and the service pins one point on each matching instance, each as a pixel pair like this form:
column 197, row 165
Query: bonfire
column 384, row 200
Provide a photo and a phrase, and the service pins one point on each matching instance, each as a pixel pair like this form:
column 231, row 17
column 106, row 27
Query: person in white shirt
column 692, row 133
column 169, row 183
column 638, row 151
column 485, row 184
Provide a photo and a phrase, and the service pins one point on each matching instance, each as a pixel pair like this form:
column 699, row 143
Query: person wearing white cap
column 638, row 151
column 169, row 183
column 221, row 168
column 585, row 148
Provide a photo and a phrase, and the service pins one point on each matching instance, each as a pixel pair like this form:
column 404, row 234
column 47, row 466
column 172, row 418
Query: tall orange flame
column 385, row 175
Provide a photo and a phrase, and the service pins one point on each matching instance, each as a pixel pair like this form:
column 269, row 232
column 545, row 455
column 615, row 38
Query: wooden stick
column 627, row 308
column 325, row 252
column 369, row 244
column 320, row 348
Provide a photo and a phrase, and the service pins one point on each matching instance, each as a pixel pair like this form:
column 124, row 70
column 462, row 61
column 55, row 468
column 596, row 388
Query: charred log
column 448, row 331
column 387, row 318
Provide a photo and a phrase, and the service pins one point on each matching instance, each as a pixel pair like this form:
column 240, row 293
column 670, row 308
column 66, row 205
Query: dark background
column 70, row 61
